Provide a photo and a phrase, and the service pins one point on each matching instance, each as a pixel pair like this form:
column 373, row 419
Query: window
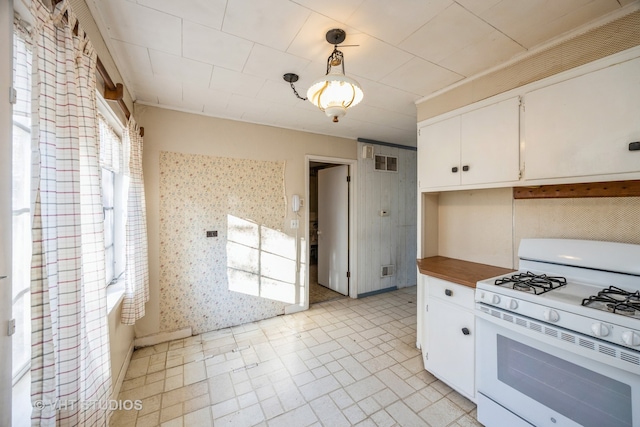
column 21, row 207
column 113, row 192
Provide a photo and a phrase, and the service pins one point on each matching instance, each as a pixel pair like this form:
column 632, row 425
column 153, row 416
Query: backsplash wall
column 614, row 219
column 486, row 226
column 244, row 201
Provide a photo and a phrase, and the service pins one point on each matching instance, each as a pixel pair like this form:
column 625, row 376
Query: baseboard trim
column 123, row 372
column 379, row 291
column 162, row 337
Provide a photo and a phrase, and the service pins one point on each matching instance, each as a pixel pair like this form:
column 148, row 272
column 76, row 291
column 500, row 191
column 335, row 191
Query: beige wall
column 167, row 130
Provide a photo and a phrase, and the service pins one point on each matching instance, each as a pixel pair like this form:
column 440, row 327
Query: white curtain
column 70, row 364
column 137, row 271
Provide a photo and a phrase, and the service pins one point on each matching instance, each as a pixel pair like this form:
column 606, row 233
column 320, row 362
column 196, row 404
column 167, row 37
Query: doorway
column 330, row 195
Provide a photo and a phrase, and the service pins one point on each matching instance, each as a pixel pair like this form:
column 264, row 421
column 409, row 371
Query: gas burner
column 615, row 300
column 534, row 283
column 522, row 287
column 621, row 308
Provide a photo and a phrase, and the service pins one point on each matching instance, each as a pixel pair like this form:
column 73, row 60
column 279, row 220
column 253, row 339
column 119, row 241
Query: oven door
column 526, row 374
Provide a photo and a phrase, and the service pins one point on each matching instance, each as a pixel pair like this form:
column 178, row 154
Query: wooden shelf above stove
column 592, row 189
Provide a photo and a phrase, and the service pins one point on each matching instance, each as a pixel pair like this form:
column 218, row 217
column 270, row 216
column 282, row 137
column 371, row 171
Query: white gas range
column 558, row 342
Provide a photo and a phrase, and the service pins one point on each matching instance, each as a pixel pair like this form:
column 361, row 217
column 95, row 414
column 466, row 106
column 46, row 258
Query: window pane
column 21, row 265
column 107, row 188
column 108, row 261
column 21, row 168
column 108, row 227
column 22, row 337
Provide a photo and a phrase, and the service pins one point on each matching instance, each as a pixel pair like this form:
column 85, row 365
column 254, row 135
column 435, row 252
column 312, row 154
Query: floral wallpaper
column 235, row 197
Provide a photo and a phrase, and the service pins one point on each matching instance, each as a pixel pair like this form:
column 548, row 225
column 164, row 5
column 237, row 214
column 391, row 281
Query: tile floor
column 319, row 293
column 343, row 362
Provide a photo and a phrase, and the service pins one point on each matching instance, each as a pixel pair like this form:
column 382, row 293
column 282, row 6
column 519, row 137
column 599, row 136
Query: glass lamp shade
column 334, row 93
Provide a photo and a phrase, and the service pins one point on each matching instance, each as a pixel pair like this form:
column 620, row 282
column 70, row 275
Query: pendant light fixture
column 334, row 92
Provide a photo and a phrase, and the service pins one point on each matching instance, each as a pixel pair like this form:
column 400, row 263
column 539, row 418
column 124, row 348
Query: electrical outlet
column 212, row 234
column 295, row 223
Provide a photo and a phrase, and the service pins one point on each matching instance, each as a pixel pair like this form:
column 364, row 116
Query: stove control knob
column 495, row 299
column 551, row 316
column 600, row 330
column 631, row 338
column 512, row 304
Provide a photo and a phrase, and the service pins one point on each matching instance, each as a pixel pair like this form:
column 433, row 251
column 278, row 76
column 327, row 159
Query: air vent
column 386, row 163
column 521, row 322
column 387, row 270
column 568, row 338
column 551, row 332
column 607, row 350
column 508, row 318
column 631, row 358
column 587, row 344
column 535, row 327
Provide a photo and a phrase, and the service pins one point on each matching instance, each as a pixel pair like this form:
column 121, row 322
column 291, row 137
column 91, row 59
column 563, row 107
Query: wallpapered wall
column 209, row 283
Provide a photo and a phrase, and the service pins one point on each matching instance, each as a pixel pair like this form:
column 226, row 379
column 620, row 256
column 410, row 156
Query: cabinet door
column 490, row 143
column 583, row 126
column 451, row 352
column 438, row 153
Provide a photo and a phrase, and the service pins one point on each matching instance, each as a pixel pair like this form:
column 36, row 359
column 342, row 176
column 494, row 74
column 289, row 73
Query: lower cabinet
column 449, row 332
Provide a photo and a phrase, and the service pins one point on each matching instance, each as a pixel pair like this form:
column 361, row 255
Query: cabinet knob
column 448, row 292
column 465, row 331
column 454, row 169
column 465, row 168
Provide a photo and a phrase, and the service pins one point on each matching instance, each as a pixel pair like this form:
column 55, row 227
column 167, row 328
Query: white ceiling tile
column 272, row 64
column 142, row 26
column 391, row 98
column 486, row 52
column 420, row 76
column 372, row 58
column 435, row 40
column 226, row 58
column 214, row 47
column 340, row 10
column 230, row 81
column 274, row 23
column 393, row 21
column 181, row 69
column 279, row 92
column 311, row 42
column 533, row 21
column 132, row 59
column 205, row 12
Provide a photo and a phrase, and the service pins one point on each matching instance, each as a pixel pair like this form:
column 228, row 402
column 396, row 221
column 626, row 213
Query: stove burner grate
column 533, row 283
column 615, row 300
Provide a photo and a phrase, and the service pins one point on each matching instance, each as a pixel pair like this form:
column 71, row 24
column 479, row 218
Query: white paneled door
column 333, row 228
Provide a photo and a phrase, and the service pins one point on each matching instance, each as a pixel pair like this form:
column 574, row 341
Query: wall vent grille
column 387, row 270
column 386, row 163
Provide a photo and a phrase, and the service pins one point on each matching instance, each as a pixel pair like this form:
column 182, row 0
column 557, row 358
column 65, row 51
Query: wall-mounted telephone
column 295, row 203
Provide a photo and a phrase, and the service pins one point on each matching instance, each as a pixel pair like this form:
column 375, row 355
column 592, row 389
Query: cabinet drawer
column 452, row 292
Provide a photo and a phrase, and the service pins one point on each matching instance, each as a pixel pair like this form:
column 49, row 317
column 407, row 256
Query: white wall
column 388, row 240
column 167, row 130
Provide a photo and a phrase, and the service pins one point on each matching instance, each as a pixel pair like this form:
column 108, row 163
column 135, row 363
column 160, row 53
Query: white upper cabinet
column 582, row 127
column 439, row 154
column 478, row 147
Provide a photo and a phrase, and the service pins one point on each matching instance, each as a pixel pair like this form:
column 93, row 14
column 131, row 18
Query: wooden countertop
column 457, row 271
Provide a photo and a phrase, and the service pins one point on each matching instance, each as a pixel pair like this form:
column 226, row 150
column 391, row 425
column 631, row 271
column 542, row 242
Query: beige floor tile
column 343, row 362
